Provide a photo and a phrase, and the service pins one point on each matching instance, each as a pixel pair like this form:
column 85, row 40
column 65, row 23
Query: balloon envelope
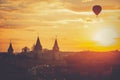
column 97, row 9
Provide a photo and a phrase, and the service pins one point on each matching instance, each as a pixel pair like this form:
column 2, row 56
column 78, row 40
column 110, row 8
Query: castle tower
column 56, row 47
column 10, row 49
column 38, row 46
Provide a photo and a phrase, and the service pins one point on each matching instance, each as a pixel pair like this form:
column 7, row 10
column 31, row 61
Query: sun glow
column 106, row 36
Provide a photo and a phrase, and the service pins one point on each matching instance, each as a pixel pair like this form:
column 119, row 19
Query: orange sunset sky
column 73, row 21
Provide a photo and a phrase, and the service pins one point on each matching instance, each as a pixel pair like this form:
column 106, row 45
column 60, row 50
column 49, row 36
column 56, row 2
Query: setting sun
column 106, row 36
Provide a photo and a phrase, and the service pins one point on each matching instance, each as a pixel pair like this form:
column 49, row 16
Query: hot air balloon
column 97, row 9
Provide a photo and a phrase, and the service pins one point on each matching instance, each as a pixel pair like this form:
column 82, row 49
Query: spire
column 38, row 46
column 55, row 47
column 10, row 49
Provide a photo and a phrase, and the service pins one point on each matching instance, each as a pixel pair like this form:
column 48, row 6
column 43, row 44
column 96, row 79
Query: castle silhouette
column 38, row 52
column 37, row 47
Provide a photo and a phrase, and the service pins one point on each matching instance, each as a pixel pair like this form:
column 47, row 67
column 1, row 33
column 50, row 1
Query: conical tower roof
column 38, row 45
column 55, row 47
column 10, row 49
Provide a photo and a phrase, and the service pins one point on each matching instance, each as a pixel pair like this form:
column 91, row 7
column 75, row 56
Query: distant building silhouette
column 25, row 49
column 38, row 46
column 10, row 49
column 55, row 47
column 38, row 53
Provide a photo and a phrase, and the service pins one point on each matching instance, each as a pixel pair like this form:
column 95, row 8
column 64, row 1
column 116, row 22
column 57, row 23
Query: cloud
column 119, row 18
column 86, row 0
column 78, row 5
column 13, row 5
column 86, row 5
column 26, row 13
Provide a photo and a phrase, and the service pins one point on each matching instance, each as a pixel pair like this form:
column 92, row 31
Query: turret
column 56, row 47
column 10, row 49
column 38, row 46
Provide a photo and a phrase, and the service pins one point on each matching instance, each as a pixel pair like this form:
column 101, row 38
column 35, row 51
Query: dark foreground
column 78, row 67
